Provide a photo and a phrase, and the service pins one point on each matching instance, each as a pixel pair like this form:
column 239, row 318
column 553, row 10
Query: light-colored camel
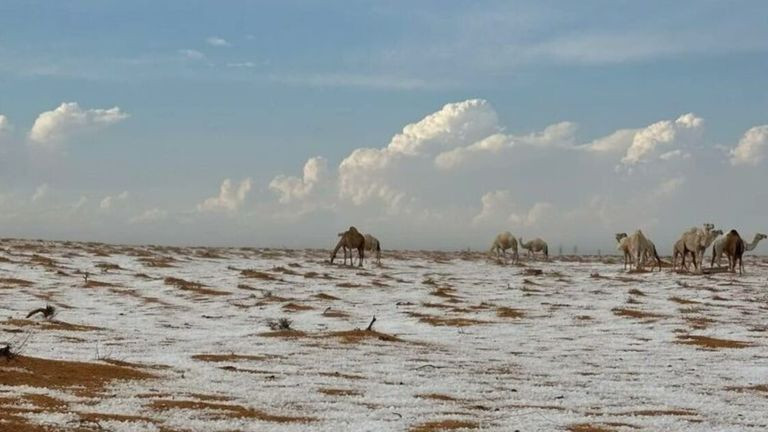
column 623, row 246
column 351, row 239
column 652, row 254
column 682, row 250
column 501, row 243
column 695, row 241
column 719, row 247
column 372, row 244
column 640, row 248
column 734, row 250
column 535, row 245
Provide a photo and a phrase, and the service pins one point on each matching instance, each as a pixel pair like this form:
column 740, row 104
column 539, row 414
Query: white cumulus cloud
column 291, row 188
column 663, row 133
column 230, row 198
column 52, row 127
column 363, row 175
column 752, row 147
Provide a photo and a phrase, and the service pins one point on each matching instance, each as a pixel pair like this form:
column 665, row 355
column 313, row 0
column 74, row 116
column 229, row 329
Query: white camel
column 623, row 246
column 719, row 247
column 695, row 241
column 535, row 245
column 639, row 248
column 501, row 243
column 372, row 244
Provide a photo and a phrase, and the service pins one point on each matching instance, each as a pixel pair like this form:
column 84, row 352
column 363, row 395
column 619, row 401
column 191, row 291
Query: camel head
column 760, row 236
column 620, row 236
column 709, row 227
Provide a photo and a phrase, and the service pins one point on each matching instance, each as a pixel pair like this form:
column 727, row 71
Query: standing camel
column 623, row 246
column 719, row 247
column 351, row 239
column 734, row 250
column 695, row 241
column 501, row 243
column 640, row 248
column 372, row 244
column 650, row 251
column 535, row 245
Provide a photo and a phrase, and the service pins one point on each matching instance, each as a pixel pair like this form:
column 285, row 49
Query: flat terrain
column 190, row 339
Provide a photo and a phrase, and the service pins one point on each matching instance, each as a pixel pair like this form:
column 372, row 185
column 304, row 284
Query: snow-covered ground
column 459, row 341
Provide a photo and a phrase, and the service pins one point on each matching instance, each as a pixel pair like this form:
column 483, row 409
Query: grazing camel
column 652, row 253
column 640, row 248
column 623, row 246
column 535, row 245
column 695, row 241
column 372, row 244
column 501, row 243
column 351, row 239
column 734, row 250
column 719, row 247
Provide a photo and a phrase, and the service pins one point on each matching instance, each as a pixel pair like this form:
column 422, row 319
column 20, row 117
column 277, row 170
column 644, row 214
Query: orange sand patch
column 339, row 392
column 444, row 425
column 195, row 287
column 226, row 410
column 215, row 358
column 49, row 325
column 506, row 312
column 88, row 378
column 634, row 313
column 712, row 343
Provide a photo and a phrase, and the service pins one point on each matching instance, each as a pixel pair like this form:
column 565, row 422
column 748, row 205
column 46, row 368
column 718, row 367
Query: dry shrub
column 280, row 324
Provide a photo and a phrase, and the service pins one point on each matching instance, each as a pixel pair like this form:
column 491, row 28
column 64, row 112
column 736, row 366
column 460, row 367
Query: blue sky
column 208, row 91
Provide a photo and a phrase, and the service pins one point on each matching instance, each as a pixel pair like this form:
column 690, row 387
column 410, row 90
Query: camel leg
column 361, row 253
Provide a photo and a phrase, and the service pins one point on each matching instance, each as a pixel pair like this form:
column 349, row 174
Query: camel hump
column 353, row 229
column 733, row 232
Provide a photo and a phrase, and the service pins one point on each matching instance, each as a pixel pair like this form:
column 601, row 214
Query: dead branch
column 370, row 326
column 47, row 312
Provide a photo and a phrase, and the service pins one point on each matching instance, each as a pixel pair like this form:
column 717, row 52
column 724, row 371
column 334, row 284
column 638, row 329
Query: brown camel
column 734, row 250
column 351, row 239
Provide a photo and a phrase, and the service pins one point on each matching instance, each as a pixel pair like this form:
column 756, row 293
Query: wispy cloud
column 217, row 41
column 191, row 54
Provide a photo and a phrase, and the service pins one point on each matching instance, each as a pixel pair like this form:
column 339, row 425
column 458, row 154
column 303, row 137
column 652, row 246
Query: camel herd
column 694, row 242
column 637, row 248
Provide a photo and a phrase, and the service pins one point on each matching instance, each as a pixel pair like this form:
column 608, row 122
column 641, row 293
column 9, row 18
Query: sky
column 431, row 124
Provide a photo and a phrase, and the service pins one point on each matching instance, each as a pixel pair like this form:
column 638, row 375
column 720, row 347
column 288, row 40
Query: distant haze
column 432, row 126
